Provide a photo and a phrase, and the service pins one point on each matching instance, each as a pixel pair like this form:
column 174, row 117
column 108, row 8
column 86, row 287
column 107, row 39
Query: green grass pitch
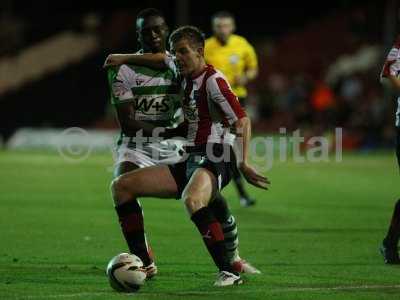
column 314, row 235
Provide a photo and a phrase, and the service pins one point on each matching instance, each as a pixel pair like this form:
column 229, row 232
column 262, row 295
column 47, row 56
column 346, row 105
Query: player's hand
column 114, row 60
column 240, row 80
column 253, row 177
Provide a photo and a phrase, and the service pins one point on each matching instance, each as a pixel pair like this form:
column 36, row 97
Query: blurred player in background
column 390, row 76
column 237, row 60
column 146, row 98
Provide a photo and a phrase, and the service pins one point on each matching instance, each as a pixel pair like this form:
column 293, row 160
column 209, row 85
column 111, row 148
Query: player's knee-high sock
column 393, row 235
column 222, row 213
column 131, row 220
column 213, row 237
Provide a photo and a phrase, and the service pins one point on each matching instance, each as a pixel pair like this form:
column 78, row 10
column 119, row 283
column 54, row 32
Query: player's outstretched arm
column 391, row 68
column 243, row 129
column 151, row 60
column 221, row 93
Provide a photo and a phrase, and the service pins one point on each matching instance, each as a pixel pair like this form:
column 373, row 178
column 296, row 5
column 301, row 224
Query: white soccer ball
column 125, row 273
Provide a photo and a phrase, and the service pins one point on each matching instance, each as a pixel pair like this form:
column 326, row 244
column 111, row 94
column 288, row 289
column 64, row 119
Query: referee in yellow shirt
column 235, row 57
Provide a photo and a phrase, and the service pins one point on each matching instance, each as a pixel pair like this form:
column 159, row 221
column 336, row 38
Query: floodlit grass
column 314, row 235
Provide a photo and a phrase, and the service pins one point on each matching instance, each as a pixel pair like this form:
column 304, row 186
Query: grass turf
column 314, row 235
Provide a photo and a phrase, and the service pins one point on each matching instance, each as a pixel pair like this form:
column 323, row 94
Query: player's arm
column 123, row 98
column 389, row 74
column 221, row 93
column 391, row 68
column 243, row 130
column 130, row 126
column 151, row 60
column 247, row 76
column 251, row 66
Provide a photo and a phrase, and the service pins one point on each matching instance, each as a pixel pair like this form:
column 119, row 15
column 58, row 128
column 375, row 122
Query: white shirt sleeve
column 121, row 87
column 171, row 63
column 221, row 93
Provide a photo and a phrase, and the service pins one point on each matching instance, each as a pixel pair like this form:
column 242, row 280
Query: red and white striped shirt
column 392, row 62
column 209, row 106
column 392, row 67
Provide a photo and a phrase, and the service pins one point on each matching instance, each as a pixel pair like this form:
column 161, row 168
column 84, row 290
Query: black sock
column 393, row 235
column 131, row 220
column 213, row 237
column 224, row 216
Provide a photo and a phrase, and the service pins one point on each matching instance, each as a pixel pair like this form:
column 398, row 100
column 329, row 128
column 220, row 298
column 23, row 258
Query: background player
column 236, row 59
column 390, row 72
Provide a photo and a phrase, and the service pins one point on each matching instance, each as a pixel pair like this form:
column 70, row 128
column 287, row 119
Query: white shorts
column 167, row 152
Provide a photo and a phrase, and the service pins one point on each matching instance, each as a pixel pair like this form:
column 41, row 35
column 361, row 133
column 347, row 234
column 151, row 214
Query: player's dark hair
column 223, row 14
column 190, row 33
column 149, row 12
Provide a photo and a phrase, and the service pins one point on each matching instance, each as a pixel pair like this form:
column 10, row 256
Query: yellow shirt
column 232, row 59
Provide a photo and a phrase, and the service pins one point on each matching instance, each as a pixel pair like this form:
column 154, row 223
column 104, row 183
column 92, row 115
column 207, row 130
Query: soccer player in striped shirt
column 145, row 98
column 210, row 108
column 389, row 75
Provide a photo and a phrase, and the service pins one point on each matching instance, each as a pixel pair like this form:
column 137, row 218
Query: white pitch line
column 282, row 290
column 56, row 296
column 342, row 288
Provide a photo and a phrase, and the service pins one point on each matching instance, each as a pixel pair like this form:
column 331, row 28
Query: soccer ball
column 125, row 273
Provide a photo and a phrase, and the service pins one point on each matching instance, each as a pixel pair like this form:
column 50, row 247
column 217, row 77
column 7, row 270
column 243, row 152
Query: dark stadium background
column 296, row 43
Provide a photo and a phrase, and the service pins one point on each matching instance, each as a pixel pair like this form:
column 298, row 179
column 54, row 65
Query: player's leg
column 155, row 181
column 126, row 188
column 129, row 159
column 220, row 208
column 121, row 168
column 245, row 199
column 389, row 246
column 124, row 167
column 224, row 216
column 196, row 196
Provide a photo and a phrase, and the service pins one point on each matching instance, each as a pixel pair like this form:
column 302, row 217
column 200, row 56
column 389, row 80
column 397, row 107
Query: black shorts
column 219, row 164
column 398, row 145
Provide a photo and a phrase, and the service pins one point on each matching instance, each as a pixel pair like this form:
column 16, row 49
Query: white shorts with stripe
column 166, row 152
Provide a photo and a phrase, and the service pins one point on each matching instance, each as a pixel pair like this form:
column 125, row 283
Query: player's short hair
column 149, row 12
column 222, row 14
column 190, row 33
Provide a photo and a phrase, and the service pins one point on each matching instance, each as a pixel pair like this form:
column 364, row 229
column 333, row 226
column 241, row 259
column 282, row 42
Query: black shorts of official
column 398, row 145
column 219, row 165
